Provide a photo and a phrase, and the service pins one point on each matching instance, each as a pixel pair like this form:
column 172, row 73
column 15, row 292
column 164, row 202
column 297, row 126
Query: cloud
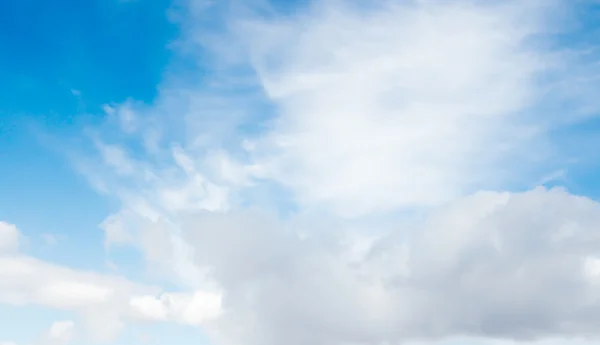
column 192, row 309
column 29, row 281
column 520, row 266
column 60, row 333
column 340, row 103
column 404, row 105
column 9, row 238
column 104, row 302
column 349, row 117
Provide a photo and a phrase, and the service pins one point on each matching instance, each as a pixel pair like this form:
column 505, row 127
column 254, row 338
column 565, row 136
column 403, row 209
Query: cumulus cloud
column 521, row 266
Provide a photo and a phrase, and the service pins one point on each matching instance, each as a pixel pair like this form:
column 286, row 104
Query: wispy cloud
column 406, row 105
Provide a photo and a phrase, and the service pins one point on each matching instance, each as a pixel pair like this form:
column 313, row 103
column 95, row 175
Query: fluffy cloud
column 192, row 309
column 519, row 266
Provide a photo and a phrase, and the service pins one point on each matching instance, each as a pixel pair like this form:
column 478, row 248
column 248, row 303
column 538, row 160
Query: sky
column 325, row 172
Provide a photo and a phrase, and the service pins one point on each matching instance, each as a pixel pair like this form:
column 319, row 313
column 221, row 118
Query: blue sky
column 104, row 51
column 262, row 172
column 60, row 63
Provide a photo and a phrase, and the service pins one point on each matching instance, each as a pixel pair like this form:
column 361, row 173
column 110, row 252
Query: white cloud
column 193, row 309
column 432, row 100
column 60, row 333
column 103, row 301
column 405, row 105
column 492, row 265
column 391, row 108
column 28, row 281
column 9, row 238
